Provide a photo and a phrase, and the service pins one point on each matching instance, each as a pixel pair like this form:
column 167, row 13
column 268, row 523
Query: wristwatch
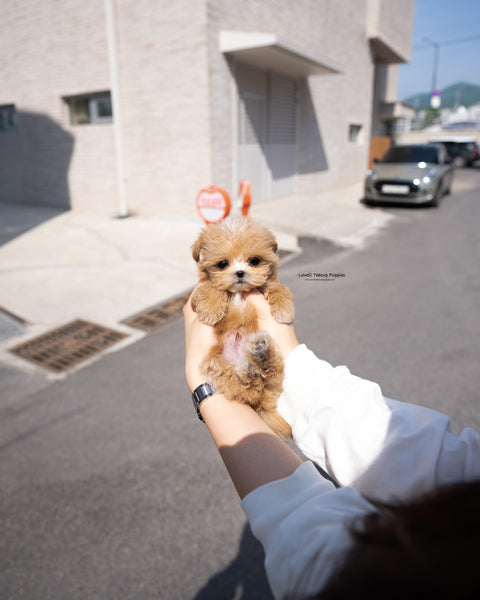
column 200, row 393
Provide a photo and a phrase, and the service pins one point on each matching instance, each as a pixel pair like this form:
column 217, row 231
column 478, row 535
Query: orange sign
column 213, row 204
column 245, row 194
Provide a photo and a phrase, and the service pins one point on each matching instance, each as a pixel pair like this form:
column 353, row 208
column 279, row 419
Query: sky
column 445, row 22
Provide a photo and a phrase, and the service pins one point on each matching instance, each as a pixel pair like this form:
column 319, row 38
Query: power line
column 448, row 42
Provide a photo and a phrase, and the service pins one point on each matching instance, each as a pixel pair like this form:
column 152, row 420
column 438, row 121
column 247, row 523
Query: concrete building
column 120, row 106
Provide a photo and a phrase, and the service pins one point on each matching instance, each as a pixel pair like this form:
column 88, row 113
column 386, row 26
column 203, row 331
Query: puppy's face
column 236, row 255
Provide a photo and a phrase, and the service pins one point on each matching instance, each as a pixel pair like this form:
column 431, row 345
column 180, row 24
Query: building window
column 354, row 133
column 90, row 109
column 8, row 118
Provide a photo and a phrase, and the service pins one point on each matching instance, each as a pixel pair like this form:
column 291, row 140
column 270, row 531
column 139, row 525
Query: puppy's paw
column 259, row 347
column 255, row 356
column 281, row 303
column 209, row 305
column 283, row 313
column 248, row 371
column 209, row 317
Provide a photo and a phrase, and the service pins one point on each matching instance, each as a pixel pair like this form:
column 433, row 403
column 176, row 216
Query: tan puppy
column 235, row 256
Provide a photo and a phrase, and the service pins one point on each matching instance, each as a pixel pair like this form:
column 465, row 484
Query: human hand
column 283, row 334
column 199, row 339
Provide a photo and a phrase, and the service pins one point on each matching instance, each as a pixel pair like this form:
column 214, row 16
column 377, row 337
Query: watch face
column 203, row 391
column 199, row 394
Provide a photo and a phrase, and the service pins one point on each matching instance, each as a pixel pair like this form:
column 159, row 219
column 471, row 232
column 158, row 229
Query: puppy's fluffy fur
column 235, row 256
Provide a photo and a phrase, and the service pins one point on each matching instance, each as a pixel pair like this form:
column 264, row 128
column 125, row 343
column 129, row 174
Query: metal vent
column 156, row 318
column 64, row 347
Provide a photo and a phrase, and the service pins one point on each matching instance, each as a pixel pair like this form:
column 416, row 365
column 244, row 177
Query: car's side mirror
column 376, row 160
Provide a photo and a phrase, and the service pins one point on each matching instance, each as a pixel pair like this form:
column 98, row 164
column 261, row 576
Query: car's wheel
column 438, row 194
column 459, row 161
column 448, row 191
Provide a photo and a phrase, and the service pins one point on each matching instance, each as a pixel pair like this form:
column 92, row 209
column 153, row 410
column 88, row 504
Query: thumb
column 260, row 304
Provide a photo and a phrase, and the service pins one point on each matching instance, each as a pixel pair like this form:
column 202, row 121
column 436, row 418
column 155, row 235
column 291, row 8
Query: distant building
column 286, row 94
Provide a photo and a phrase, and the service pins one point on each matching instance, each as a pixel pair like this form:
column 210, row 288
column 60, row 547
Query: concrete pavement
column 58, row 266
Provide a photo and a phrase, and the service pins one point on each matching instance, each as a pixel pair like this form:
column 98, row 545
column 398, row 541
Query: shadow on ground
column 16, row 220
column 244, row 578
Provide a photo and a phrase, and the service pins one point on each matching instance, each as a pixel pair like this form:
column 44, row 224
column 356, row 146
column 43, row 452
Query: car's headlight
column 429, row 176
column 372, row 175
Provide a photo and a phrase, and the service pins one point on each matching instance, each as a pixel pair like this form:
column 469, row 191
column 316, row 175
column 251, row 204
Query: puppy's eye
column 223, row 264
column 254, row 261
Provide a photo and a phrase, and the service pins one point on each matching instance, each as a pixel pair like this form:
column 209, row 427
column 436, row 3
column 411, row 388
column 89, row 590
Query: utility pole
column 435, row 99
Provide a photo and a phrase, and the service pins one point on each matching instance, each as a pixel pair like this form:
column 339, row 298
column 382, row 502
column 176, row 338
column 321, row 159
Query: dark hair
column 428, row 545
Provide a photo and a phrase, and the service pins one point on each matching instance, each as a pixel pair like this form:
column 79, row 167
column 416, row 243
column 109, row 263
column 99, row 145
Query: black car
column 463, row 150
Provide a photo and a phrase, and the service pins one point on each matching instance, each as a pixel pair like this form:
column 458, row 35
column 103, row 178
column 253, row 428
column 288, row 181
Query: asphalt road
column 110, row 488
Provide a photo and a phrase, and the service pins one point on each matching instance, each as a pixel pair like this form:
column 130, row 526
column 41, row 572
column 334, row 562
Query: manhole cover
column 155, row 318
column 64, row 347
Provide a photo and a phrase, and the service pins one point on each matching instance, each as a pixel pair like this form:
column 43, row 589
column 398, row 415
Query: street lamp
column 435, row 97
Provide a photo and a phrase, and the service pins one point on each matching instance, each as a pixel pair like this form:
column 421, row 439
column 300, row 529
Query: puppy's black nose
column 240, row 274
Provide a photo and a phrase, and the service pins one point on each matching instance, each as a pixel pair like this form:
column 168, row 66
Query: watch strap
column 200, row 393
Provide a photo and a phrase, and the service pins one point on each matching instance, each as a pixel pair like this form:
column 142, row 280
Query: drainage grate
column 64, row 347
column 156, row 318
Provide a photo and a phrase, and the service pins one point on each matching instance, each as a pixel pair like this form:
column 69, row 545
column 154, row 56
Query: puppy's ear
column 273, row 242
column 197, row 248
column 268, row 237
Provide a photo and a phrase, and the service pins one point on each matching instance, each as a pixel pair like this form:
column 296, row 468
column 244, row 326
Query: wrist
column 230, row 421
column 194, row 378
column 289, row 347
column 200, row 394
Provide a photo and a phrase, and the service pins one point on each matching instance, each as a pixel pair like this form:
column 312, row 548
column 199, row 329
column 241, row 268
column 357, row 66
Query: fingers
column 283, row 334
column 262, row 307
column 199, row 338
column 188, row 313
column 187, row 309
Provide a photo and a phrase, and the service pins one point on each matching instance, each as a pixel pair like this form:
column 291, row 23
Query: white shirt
column 371, row 445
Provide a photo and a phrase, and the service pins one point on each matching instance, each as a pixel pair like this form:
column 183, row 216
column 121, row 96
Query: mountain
column 457, row 94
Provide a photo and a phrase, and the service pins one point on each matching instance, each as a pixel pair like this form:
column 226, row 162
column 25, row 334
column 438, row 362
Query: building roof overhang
column 391, row 111
column 385, row 53
column 269, row 52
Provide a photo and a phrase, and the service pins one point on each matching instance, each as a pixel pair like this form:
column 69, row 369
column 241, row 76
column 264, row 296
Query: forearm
column 252, row 453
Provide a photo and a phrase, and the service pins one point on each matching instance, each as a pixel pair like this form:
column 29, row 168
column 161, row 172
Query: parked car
column 462, row 149
column 410, row 174
column 456, row 125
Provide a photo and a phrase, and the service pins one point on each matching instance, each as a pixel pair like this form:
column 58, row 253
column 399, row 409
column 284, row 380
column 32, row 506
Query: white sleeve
column 385, row 449
column 300, row 520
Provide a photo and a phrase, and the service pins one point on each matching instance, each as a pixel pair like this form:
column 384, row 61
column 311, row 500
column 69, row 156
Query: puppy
column 235, row 256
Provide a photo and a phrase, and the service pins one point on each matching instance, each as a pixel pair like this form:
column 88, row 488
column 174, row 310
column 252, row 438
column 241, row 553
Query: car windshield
column 410, row 154
column 453, row 145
